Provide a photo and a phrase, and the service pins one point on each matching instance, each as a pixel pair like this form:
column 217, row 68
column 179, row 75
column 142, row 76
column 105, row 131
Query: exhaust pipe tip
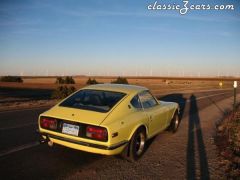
column 50, row 143
column 42, row 141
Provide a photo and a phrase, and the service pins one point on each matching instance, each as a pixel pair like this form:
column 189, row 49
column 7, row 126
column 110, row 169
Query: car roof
column 124, row 88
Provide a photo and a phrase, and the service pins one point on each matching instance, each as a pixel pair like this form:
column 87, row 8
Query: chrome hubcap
column 140, row 143
column 176, row 122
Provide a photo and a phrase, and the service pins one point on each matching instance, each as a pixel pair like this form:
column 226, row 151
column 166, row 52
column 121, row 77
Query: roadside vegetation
column 92, row 81
column 120, row 80
column 228, row 141
column 66, row 80
column 63, row 91
column 11, row 79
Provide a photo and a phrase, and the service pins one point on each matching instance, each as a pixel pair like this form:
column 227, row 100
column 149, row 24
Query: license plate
column 70, row 129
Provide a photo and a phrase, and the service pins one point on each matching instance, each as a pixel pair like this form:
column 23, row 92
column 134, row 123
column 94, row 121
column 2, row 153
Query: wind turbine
column 151, row 71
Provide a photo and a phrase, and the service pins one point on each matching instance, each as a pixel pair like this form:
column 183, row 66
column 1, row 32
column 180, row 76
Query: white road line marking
column 203, row 97
column 192, row 91
column 19, row 148
column 16, row 127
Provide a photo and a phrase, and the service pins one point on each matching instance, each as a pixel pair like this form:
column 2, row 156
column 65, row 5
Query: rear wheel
column 137, row 144
column 175, row 123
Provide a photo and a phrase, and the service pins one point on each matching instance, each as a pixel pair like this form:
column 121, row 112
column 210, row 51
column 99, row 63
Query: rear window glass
column 94, row 100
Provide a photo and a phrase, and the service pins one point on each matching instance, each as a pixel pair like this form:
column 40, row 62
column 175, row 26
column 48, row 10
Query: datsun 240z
column 108, row 119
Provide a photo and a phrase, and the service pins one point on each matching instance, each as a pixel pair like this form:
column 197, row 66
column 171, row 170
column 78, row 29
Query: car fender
column 135, row 129
column 176, row 109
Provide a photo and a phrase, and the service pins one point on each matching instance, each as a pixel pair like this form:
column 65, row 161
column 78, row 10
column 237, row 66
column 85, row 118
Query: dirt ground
column 155, row 84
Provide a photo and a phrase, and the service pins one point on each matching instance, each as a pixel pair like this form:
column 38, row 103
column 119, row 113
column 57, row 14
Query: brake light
column 98, row 133
column 48, row 123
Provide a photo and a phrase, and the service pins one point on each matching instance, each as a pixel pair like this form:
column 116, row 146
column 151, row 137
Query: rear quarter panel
column 172, row 108
column 124, row 120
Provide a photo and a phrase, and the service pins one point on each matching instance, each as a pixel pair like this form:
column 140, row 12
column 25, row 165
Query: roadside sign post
column 234, row 95
column 221, row 84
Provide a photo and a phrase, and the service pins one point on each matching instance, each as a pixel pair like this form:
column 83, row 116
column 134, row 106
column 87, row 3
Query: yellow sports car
column 108, row 119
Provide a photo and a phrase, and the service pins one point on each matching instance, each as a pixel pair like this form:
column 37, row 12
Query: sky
column 118, row 37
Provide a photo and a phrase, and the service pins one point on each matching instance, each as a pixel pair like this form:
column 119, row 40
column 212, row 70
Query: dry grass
column 228, row 142
column 156, row 85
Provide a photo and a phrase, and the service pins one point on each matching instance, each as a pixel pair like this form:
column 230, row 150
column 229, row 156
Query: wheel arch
column 175, row 110
column 136, row 128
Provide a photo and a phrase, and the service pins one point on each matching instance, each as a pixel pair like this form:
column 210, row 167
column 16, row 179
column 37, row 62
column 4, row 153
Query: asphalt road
column 22, row 157
column 8, row 95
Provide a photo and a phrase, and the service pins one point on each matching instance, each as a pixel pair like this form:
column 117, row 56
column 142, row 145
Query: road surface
column 189, row 153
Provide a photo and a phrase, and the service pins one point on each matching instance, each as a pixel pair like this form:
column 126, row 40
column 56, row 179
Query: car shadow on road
column 195, row 134
column 178, row 98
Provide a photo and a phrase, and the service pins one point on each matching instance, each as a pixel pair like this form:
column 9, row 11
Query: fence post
column 234, row 95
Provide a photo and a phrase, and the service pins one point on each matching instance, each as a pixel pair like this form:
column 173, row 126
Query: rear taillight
column 48, row 123
column 98, row 133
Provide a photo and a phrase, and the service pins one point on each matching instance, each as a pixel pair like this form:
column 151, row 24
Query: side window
column 147, row 100
column 136, row 102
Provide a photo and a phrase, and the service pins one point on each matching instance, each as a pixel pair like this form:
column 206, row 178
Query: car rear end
column 79, row 128
column 75, row 135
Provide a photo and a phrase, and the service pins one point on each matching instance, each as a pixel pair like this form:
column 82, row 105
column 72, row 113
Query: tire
column 137, row 145
column 175, row 123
